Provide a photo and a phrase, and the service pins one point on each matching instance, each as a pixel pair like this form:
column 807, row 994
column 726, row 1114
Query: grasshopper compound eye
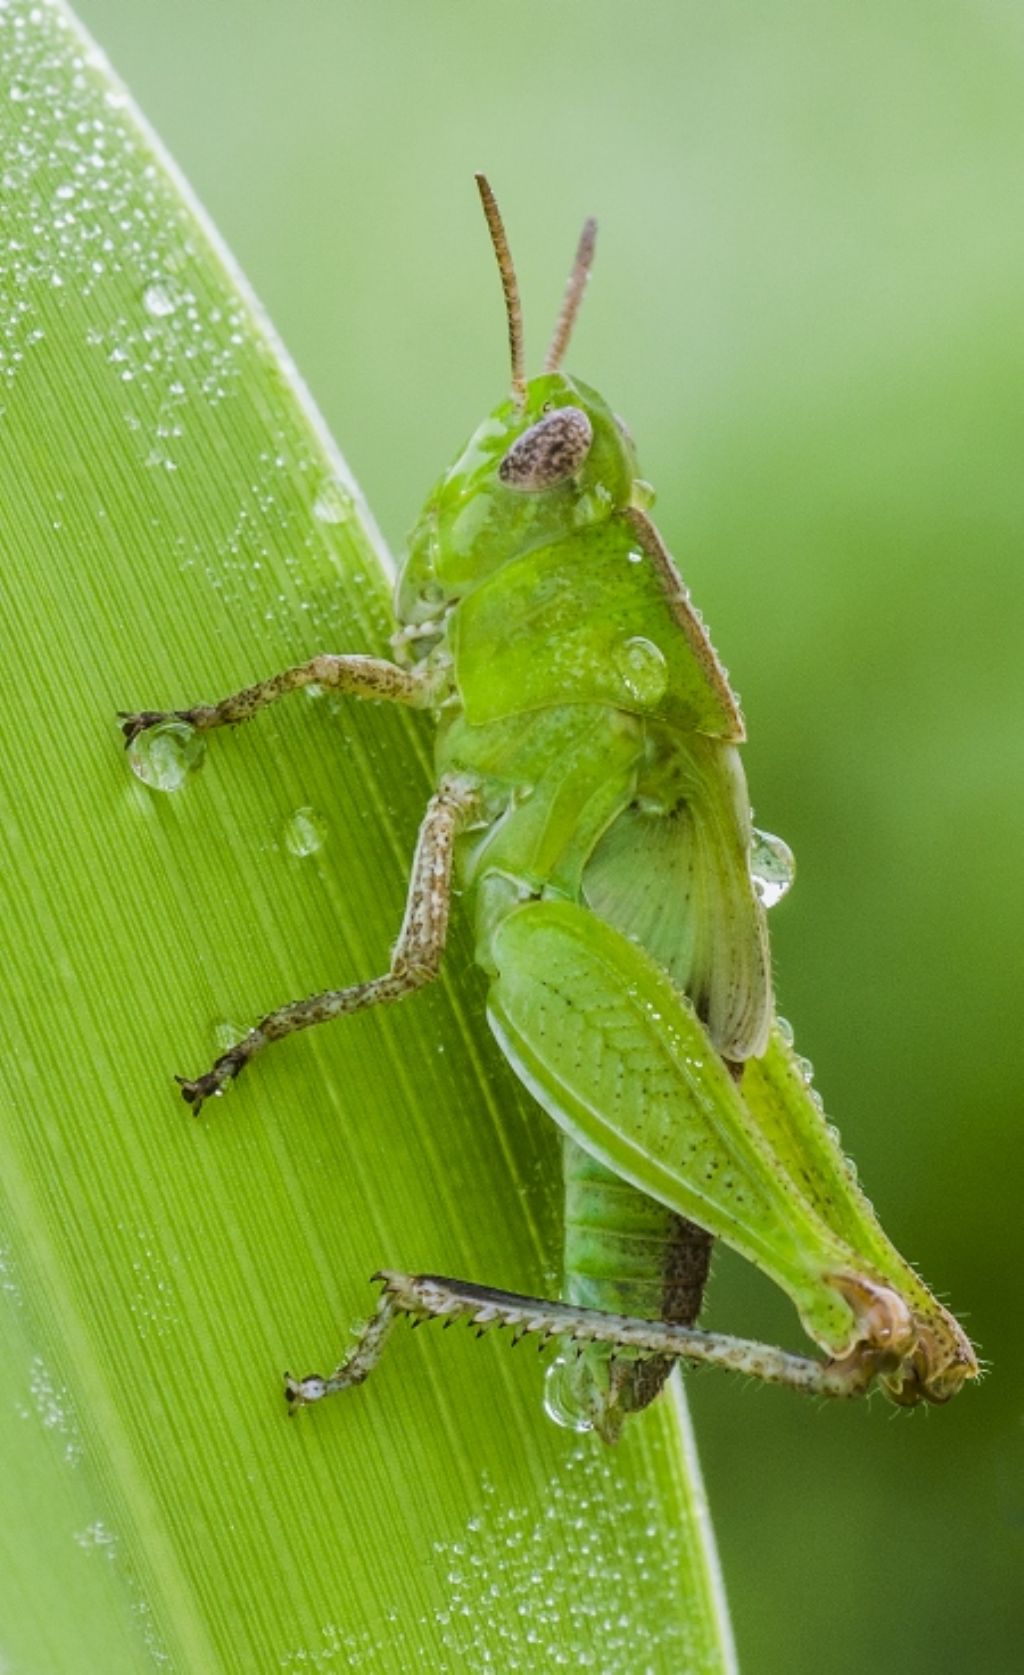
column 549, row 452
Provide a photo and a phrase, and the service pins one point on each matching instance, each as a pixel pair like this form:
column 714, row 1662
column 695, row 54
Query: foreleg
column 355, row 676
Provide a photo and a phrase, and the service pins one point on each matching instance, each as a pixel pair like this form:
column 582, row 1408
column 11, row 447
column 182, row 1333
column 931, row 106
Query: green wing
column 672, row 873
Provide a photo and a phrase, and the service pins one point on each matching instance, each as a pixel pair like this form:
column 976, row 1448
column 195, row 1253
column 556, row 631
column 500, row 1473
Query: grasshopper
column 591, row 803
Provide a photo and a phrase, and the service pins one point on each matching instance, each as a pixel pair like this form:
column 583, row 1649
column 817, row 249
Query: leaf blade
column 174, row 523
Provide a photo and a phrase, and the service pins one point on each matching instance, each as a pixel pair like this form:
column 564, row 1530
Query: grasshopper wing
column 672, row 873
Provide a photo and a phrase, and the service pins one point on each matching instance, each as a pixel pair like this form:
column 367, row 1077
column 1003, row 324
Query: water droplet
column 564, row 1401
column 304, row 832
column 586, row 509
column 165, row 756
column 772, row 867
column 333, row 503
column 431, row 595
column 785, row 1029
column 96, row 1536
column 227, row 1034
column 643, row 669
column 159, row 300
column 643, row 494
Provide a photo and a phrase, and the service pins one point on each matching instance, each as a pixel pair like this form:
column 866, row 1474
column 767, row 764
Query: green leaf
column 175, row 523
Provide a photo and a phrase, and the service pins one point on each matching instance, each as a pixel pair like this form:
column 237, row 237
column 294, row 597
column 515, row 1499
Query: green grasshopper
column 591, row 802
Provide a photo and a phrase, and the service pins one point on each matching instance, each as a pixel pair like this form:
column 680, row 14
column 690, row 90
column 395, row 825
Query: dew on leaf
column 166, row 756
column 159, row 300
column 305, row 832
column 333, row 503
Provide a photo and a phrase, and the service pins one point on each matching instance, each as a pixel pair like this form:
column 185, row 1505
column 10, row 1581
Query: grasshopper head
column 551, row 460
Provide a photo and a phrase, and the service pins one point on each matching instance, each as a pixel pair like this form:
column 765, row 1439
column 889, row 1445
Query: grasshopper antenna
column 573, row 296
column 513, row 307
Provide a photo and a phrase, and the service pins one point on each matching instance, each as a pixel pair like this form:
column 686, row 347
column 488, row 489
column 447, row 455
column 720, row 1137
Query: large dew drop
column 159, row 300
column 643, row 670
column 228, row 1034
column 772, row 867
column 304, row 832
column 564, row 1400
column 166, row 756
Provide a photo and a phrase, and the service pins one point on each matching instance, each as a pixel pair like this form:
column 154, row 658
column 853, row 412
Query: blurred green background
column 807, row 304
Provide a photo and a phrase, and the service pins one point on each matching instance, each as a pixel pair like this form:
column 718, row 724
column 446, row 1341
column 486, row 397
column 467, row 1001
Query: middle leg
column 415, row 960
